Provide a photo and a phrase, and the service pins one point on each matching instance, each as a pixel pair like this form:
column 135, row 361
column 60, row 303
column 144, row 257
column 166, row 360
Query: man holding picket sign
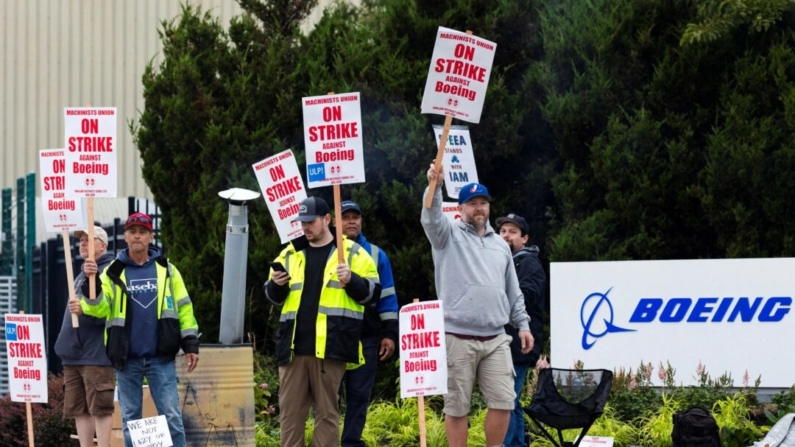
column 322, row 279
column 323, row 304
column 89, row 380
column 474, row 272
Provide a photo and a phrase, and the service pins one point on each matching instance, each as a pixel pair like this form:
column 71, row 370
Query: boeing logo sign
column 597, row 314
column 719, row 312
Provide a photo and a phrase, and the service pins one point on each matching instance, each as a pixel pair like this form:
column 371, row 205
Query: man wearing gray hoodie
column 476, row 280
column 88, row 376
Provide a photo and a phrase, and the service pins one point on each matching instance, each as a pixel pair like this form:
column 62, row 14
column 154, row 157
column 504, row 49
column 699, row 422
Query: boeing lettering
column 711, row 309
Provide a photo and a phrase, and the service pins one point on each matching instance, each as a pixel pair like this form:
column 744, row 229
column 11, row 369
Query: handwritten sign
column 150, row 432
column 61, row 213
column 459, row 159
column 423, row 351
column 459, row 75
column 90, row 151
column 333, row 139
column 283, row 190
column 27, row 358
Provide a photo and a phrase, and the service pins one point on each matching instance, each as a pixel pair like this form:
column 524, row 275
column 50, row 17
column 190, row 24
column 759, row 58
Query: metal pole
column 233, row 300
column 7, row 265
column 22, row 292
column 30, row 229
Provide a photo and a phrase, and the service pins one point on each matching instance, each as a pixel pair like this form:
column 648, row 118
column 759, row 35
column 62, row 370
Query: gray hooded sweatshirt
column 475, row 276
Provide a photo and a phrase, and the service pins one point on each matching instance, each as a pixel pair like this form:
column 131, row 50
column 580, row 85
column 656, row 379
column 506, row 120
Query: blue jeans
column 358, row 384
column 161, row 374
column 515, row 437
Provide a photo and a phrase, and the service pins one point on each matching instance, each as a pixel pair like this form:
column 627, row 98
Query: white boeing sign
column 731, row 315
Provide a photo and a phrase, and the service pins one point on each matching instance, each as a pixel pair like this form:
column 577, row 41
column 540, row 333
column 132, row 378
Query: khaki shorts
column 88, row 389
column 488, row 361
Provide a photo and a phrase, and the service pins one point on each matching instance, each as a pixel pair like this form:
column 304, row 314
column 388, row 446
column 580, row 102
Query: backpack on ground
column 695, row 427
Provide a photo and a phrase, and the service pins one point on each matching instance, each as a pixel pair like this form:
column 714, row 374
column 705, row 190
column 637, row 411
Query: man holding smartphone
column 323, row 304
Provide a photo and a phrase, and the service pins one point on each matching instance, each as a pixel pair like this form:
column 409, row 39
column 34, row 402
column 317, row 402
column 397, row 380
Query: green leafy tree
column 666, row 151
column 222, row 100
column 218, row 102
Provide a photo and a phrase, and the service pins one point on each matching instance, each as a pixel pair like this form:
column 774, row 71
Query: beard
column 478, row 220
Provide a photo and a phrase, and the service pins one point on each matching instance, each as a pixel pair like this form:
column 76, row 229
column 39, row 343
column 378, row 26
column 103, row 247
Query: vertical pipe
column 6, row 267
column 22, row 293
column 233, row 300
column 30, row 232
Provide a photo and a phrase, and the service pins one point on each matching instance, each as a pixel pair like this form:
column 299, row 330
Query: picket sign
column 451, row 56
column 345, row 154
column 459, row 160
column 423, row 354
column 150, row 432
column 421, row 405
column 28, row 413
column 100, row 178
column 283, row 190
column 60, row 212
column 450, row 211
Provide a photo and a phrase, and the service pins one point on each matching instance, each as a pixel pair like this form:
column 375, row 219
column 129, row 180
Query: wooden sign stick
column 29, row 415
column 437, row 163
column 421, row 407
column 338, row 222
column 338, row 225
column 70, row 279
column 92, row 287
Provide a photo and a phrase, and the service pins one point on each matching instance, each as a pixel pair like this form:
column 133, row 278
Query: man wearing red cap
column 149, row 318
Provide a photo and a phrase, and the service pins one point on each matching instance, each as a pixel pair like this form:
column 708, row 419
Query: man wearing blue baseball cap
column 476, row 280
column 379, row 334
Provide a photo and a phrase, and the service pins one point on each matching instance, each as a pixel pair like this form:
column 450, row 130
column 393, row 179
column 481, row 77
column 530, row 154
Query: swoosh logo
column 596, row 314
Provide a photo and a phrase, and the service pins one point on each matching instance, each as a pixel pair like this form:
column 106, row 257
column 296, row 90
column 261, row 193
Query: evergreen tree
column 218, row 102
column 647, row 129
column 222, row 100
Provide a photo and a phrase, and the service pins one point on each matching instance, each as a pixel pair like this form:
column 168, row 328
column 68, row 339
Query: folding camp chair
column 567, row 399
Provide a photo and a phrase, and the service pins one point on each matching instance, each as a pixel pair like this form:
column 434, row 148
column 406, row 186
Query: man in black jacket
column 514, row 230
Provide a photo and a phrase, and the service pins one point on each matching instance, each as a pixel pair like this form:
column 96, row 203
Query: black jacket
column 532, row 281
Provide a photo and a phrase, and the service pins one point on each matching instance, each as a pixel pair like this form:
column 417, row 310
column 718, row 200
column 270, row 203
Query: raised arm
column 437, row 227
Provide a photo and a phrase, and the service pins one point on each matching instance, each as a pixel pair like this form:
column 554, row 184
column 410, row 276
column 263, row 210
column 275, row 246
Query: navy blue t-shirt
column 142, row 304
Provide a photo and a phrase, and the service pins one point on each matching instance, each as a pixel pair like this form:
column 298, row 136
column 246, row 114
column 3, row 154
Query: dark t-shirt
column 316, row 258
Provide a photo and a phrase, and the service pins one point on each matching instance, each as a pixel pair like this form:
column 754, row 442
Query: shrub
column 49, row 426
column 785, row 400
column 266, row 398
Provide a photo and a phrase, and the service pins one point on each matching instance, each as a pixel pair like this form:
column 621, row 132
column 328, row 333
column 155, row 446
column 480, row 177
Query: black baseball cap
column 349, row 205
column 311, row 208
column 516, row 220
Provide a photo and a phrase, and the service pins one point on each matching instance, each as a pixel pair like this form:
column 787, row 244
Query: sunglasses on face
column 139, row 220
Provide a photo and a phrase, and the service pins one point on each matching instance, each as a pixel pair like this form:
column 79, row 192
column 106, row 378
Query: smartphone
column 277, row 267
